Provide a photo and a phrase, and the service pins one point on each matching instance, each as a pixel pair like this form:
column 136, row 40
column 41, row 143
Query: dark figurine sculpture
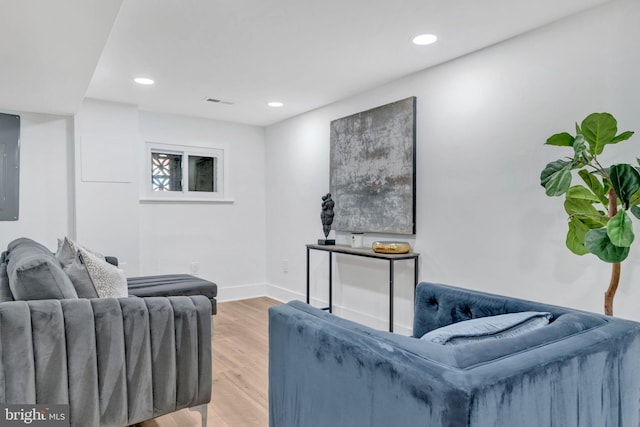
column 327, row 219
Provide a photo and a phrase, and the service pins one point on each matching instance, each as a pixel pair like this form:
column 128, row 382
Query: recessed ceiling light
column 143, row 81
column 424, row 39
column 275, row 104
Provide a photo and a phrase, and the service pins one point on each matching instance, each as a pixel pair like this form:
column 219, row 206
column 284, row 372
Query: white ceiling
column 305, row 53
column 49, row 51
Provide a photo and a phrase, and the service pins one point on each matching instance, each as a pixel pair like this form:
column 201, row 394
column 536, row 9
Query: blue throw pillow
column 488, row 328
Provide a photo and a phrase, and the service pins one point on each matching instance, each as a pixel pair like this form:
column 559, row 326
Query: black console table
column 364, row 252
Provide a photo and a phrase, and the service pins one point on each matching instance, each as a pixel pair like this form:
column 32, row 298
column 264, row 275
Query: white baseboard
column 282, row 294
column 239, row 292
column 286, row 295
column 370, row 321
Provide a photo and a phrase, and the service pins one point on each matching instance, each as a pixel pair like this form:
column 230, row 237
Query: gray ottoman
column 173, row 285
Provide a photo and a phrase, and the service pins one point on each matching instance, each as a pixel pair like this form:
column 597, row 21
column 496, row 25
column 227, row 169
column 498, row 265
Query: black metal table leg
column 391, row 274
column 364, row 253
column 330, row 282
column 308, row 287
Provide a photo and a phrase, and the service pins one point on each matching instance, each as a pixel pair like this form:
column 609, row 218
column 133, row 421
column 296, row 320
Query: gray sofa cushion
column 35, row 273
column 173, row 285
column 5, row 290
column 23, row 242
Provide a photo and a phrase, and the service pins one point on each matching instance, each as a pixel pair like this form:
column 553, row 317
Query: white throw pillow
column 109, row 280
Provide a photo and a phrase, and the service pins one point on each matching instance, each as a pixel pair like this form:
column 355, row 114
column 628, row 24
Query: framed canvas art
column 372, row 169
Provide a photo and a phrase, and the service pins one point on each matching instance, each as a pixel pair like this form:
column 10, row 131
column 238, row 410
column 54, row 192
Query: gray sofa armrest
column 116, row 362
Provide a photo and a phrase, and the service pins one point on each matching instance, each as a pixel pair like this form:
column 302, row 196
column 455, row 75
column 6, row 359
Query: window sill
column 185, row 200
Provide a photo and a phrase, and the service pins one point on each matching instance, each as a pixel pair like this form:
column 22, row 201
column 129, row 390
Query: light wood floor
column 240, row 368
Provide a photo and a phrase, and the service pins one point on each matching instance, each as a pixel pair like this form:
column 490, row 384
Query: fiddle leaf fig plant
column 600, row 207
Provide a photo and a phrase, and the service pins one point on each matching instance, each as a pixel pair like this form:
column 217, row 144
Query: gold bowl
column 391, row 247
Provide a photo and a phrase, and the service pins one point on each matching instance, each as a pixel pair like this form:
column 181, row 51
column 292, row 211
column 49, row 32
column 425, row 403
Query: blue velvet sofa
column 580, row 370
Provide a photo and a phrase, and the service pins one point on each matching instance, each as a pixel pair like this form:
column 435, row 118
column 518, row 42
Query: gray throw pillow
column 66, row 252
column 72, row 264
column 488, row 328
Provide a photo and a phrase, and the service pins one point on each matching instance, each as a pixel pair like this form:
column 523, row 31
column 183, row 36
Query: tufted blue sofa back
column 439, row 305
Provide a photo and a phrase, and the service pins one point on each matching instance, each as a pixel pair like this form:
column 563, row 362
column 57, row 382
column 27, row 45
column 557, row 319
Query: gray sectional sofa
column 114, row 361
column 580, row 370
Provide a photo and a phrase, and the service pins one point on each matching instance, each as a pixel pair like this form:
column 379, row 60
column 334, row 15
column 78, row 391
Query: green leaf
column 561, row 140
column 594, row 184
column 579, row 145
column 620, row 230
column 558, row 183
column 580, row 157
column 635, row 199
column 552, row 168
column 575, row 237
column 622, row 137
column 599, row 129
column 578, row 130
column 556, row 177
column 598, row 243
column 635, row 211
column 585, row 212
column 580, row 192
column 579, row 207
column 625, row 181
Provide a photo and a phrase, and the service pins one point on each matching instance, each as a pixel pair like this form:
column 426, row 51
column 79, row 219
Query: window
column 184, row 173
column 166, row 172
column 202, row 174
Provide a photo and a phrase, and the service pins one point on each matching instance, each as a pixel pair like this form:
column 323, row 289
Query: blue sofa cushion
column 488, row 328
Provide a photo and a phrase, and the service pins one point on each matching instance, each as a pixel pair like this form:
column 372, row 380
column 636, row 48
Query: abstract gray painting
column 372, row 169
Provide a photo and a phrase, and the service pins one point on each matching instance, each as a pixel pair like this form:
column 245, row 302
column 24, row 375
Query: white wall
column 483, row 221
column 45, row 181
column 80, row 177
column 226, row 240
column 106, row 178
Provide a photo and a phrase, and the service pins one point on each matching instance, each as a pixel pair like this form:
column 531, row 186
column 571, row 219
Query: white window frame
column 185, row 195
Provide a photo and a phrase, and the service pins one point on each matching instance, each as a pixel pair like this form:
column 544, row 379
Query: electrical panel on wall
column 9, row 167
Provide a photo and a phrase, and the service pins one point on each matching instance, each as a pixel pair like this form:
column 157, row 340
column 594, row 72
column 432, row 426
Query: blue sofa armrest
column 328, row 371
column 580, row 370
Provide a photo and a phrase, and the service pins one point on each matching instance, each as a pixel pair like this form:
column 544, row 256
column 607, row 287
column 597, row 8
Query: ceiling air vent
column 217, row 101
